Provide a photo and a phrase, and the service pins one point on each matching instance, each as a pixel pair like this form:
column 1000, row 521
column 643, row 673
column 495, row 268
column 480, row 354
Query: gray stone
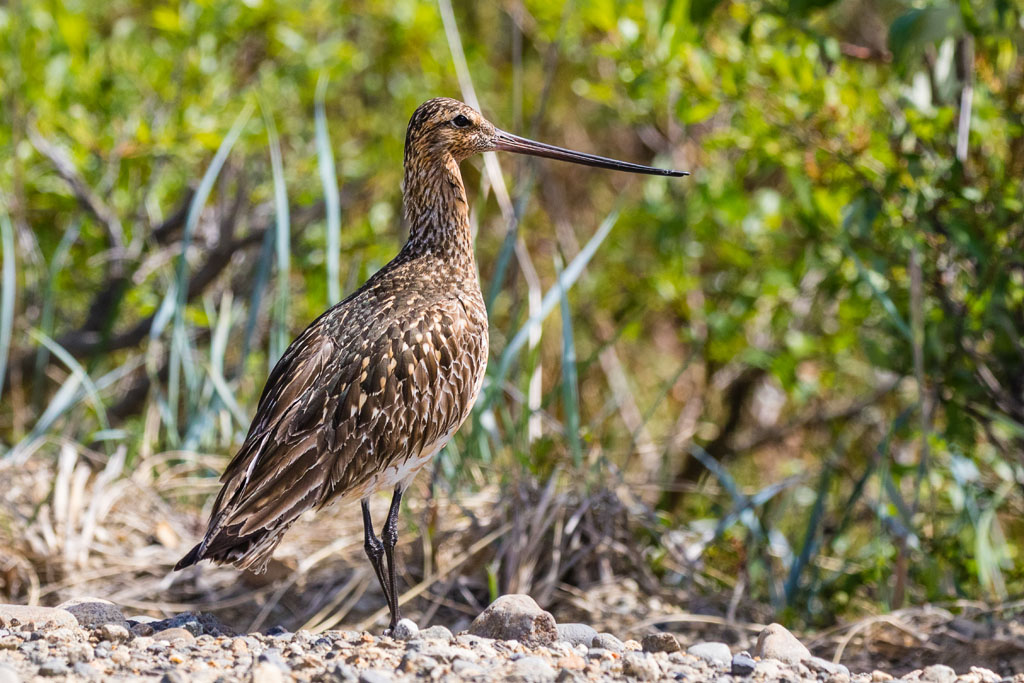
column 743, row 664
column 516, row 617
column 417, row 664
column 53, row 667
column 464, row 667
column 987, row 675
column 342, row 672
column 41, row 617
column 265, row 672
column 822, row 665
column 115, row 633
column 273, row 657
column 94, row 612
column 775, row 642
column 171, row 635
column 938, row 673
column 196, row 623
column 660, row 642
column 640, row 666
column 716, row 653
column 80, row 652
column 83, row 670
column 143, row 619
column 8, row 674
column 141, row 629
column 376, row 676
column 436, row 633
column 597, row 653
column 405, row 629
column 173, row 676
column 607, row 641
column 577, row 634
column 532, row 669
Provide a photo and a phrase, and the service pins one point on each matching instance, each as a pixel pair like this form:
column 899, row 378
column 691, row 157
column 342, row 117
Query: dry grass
column 76, row 526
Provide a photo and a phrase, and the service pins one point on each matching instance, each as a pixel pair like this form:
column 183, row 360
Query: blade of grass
column 68, row 395
column 329, row 178
column 570, row 388
column 57, row 262
column 7, row 300
column 566, row 279
column 173, row 305
column 76, row 369
column 258, row 286
column 282, row 232
column 810, row 545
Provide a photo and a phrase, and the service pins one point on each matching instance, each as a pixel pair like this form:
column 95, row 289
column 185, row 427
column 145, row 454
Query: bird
column 373, row 388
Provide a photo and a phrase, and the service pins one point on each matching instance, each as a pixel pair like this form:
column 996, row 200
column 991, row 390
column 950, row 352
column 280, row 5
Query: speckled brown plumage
column 375, row 386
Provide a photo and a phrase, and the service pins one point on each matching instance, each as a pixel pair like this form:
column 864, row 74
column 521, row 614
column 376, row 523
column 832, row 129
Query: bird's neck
column 437, row 212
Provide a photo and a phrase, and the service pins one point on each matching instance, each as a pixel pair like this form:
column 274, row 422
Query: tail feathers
column 251, row 551
column 190, row 559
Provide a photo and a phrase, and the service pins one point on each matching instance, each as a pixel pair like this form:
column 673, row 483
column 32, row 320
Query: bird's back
column 359, row 402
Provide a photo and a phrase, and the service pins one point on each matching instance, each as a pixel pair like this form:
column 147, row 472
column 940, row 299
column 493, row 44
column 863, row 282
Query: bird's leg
column 375, row 551
column 390, row 537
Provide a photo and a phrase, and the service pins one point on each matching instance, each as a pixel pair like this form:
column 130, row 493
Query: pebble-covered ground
column 513, row 639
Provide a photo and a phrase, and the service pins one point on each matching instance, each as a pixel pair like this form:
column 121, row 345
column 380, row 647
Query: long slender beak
column 506, row 142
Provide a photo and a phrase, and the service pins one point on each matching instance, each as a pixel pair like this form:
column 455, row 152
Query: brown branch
column 83, row 193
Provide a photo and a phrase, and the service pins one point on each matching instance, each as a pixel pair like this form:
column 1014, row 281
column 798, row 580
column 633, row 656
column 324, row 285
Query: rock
column 53, row 667
column 775, row 642
column 660, row 642
column 607, row 641
column 822, row 665
column 265, row 672
column 172, row 634
column 743, row 664
column 436, row 633
column 464, row 667
column 7, row 674
column 376, row 676
column 418, row 664
column 42, row 617
column 80, row 652
column 640, row 667
column 196, row 623
column 94, row 612
column 532, row 669
column 938, row 673
column 140, row 629
column 83, row 670
column 115, row 633
column 405, row 629
column 986, row 675
column 577, row 634
column 716, row 653
column 173, row 676
column 516, row 617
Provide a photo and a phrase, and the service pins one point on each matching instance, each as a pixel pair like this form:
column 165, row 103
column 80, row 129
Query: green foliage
column 827, row 315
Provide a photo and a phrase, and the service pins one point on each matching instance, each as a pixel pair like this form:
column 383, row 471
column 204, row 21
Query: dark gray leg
column 390, row 537
column 375, row 551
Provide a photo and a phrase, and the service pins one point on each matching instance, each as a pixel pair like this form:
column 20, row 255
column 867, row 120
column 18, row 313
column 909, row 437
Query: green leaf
column 911, row 32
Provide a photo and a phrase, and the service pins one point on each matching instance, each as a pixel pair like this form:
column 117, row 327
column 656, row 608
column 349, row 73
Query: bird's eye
column 460, row 121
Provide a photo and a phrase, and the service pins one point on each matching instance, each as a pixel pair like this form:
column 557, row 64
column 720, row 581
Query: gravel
column 197, row 648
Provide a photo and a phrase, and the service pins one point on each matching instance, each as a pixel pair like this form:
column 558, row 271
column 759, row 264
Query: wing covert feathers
column 356, row 400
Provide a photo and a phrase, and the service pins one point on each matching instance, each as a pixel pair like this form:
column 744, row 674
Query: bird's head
column 443, row 126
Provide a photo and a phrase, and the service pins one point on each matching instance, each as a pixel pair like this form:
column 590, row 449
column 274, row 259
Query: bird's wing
column 345, row 402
